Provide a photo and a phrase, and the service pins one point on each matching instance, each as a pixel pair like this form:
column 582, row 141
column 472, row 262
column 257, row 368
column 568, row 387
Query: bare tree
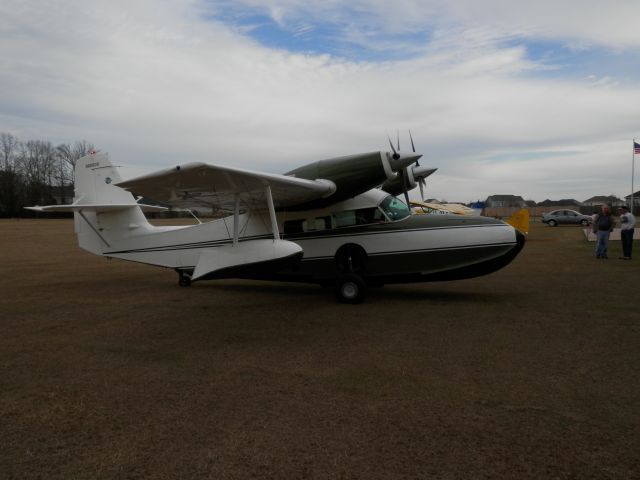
column 8, row 147
column 32, row 171
column 36, row 161
column 68, row 155
column 10, row 180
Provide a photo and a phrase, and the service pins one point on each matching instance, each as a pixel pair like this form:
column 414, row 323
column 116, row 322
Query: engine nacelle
column 354, row 174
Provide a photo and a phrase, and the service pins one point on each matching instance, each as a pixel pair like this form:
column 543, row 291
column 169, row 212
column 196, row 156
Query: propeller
column 409, row 171
column 421, row 179
column 413, row 147
column 396, row 155
column 405, row 190
column 420, row 173
column 403, row 171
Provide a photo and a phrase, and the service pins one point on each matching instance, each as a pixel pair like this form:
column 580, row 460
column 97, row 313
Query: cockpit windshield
column 394, row 209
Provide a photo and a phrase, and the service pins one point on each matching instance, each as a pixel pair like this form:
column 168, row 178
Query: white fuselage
column 320, row 239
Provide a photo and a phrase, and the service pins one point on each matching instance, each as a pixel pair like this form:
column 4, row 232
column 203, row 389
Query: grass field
column 110, row 370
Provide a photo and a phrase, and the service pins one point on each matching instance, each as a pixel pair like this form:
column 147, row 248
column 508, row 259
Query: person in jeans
column 602, row 227
column 627, row 224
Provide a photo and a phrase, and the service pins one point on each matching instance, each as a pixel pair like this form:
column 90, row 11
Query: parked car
column 569, row 217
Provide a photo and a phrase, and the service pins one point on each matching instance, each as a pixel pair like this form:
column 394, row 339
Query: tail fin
column 520, row 220
column 101, row 223
column 103, row 212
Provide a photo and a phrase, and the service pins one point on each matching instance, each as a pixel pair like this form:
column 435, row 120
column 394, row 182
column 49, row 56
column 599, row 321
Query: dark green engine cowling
column 352, row 175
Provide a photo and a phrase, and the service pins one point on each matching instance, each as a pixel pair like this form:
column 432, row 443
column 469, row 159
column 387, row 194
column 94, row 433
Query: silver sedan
column 569, row 217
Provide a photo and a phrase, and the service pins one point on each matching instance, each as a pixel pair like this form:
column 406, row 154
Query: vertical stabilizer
column 97, row 225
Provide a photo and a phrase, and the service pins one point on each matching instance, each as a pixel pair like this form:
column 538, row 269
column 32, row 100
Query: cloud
column 585, row 22
column 162, row 83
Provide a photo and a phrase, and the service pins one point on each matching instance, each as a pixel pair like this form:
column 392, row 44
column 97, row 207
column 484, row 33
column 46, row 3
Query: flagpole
column 633, row 164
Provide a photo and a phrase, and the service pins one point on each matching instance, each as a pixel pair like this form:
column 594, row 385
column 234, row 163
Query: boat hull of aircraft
column 417, row 248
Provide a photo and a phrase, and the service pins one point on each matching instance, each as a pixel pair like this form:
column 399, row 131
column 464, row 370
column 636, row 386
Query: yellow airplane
column 519, row 220
column 441, row 208
column 425, row 208
column 459, row 209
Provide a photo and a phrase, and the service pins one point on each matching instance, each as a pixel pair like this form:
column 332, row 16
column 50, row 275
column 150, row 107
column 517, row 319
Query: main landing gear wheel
column 184, row 280
column 351, row 263
column 351, row 288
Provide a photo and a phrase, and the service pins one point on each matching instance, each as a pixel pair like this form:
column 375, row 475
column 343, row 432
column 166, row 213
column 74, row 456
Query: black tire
column 184, row 280
column 584, row 222
column 351, row 288
column 553, row 223
column 351, row 258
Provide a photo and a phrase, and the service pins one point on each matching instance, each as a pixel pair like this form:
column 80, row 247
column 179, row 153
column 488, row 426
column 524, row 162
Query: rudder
column 101, row 223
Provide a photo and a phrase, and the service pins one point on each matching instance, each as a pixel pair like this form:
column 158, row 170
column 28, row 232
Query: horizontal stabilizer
column 94, row 207
column 245, row 256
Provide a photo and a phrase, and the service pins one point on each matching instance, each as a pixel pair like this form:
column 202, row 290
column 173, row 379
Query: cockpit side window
column 394, row 209
column 361, row 216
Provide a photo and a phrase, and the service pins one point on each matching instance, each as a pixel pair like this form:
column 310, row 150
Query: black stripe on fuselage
column 421, row 250
column 293, row 238
column 191, row 246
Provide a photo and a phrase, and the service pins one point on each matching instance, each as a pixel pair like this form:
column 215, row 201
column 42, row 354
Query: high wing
column 213, row 186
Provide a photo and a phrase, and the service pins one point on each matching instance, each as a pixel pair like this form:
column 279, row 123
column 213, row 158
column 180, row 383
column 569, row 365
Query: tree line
column 36, row 172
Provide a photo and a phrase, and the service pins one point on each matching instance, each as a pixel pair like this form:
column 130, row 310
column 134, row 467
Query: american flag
column 636, row 148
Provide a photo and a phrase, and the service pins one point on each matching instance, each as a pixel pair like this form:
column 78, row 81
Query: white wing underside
column 203, row 185
column 95, row 207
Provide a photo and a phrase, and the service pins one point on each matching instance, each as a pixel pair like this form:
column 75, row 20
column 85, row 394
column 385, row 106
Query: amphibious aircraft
column 332, row 222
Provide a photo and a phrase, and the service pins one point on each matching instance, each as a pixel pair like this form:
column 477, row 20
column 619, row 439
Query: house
column 636, row 200
column 499, row 201
column 565, row 202
column 598, row 200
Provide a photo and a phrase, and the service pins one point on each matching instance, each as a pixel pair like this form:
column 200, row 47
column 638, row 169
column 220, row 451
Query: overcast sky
column 539, row 99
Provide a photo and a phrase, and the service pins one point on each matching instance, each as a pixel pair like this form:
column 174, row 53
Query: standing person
column 627, row 224
column 602, row 227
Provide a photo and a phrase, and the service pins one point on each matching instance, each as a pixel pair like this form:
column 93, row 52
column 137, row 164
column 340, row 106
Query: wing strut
column 272, row 213
column 236, row 219
column 93, row 228
column 231, row 260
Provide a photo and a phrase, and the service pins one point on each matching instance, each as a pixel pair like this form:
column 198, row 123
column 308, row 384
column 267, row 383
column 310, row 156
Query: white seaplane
column 332, row 222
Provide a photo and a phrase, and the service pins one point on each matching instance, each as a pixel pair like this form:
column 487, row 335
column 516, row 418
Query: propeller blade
column 413, row 147
column 398, row 138
column 421, row 185
column 404, row 186
column 396, row 155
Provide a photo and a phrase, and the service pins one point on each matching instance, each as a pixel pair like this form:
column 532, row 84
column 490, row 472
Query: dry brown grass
column 109, row 370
